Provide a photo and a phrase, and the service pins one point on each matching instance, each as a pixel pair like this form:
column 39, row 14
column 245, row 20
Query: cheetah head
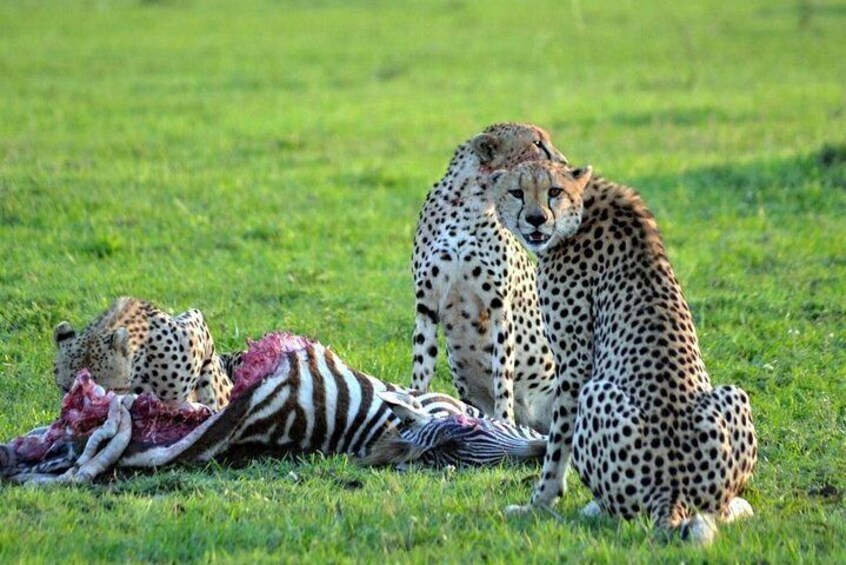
column 502, row 146
column 541, row 202
column 106, row 356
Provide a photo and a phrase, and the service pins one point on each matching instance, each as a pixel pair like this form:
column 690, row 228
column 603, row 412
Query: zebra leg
column 105, row 432
column 107, row 456
column 208, row 439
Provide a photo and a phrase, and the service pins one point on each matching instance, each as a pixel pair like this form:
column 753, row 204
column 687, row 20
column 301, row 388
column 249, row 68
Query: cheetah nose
column 536, row 220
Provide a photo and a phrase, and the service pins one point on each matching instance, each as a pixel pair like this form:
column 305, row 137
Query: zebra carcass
column 291, row 395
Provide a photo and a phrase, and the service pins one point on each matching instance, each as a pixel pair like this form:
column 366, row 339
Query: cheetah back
column 136, row 346
column 635, row 406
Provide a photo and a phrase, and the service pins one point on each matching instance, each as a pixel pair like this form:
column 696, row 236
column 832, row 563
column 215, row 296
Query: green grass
column 265, row 162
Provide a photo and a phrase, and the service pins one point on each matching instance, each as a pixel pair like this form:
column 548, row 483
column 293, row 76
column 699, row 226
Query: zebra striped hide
column 454, row 439
column 290, row 395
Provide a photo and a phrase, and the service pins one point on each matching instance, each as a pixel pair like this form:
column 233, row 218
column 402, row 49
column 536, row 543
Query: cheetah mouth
column 536, row 238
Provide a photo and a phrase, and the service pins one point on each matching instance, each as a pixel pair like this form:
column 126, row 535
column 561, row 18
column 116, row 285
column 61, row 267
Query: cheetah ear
column 485, row 146
column 405, row 407
column 120, row 341
column 582, row 176
column 63, row 332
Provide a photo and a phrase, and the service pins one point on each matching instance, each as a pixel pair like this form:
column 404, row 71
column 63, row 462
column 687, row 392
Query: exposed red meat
column 84, row 408
column 264, row 357
column 156, row 423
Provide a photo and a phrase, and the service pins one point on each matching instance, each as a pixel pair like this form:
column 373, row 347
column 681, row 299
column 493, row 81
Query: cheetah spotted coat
column 136, row 347
column 634, row 410
column 472, row 277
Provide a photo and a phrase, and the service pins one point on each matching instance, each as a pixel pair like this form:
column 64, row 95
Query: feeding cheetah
column 634, row 410
column 473, row 277
column 136, row 347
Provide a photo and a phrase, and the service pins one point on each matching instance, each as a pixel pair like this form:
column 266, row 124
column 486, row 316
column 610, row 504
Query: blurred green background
column 265, row 161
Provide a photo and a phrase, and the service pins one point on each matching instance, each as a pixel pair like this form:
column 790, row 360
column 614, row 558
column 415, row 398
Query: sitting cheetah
column 135, row 346
column 634, row 405
column 472, row 276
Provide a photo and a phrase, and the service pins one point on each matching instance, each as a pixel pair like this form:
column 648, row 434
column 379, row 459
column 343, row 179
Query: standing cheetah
column 472, row 276
column 135, row 346
column 634, row 405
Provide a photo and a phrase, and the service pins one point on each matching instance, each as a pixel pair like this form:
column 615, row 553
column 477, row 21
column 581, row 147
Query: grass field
column 265, row 161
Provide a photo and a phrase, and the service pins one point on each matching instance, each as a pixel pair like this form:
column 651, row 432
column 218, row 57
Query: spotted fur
column 472, row 277
column 634, row 410
column 136, row 347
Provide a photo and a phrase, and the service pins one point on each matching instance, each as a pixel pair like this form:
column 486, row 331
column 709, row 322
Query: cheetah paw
column 737, row 509
column 592, row 510
column 519, row 509
column 699, row 530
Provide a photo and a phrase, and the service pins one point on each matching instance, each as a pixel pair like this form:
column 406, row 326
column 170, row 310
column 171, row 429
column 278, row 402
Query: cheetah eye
column 518, row 194
column 554, row 192
column 538, row 143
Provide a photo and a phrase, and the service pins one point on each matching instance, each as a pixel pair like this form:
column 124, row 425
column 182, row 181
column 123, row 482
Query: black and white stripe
column 455, row 439
column 313, row 401
column 458, row 440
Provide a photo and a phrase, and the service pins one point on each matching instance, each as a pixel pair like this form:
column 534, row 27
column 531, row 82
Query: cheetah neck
column 618, row 262
column 618, row 236
column 462, row 185
column 621, row 211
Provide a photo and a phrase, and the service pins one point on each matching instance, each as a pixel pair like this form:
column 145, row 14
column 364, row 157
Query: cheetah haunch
column 472, row 277
column 635, row 412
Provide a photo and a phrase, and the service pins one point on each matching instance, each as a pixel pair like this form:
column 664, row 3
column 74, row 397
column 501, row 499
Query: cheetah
column 634, row 409
column 473, row 277
column 136, row 347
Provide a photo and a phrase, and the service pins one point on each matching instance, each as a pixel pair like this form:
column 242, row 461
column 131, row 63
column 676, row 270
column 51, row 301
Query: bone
column 108, row 456
column 105, row 432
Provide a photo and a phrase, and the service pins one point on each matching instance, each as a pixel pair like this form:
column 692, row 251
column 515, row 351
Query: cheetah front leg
column 213, row 385
column 208, row 384
column 425, row 341
column 553, row 480
column 455, row 369
column 503, row 355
